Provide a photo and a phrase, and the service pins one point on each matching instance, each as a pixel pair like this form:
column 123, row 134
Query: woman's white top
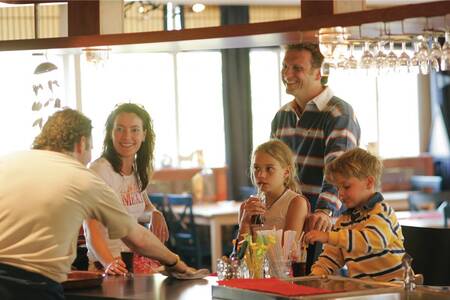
column 133, row 200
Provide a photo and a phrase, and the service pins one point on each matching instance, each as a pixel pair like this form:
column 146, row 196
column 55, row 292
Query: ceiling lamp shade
column 45, row 67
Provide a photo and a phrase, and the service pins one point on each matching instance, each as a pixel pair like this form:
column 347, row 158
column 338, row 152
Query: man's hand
column 116, row 267
column 183, row 271
column 316, row 236
column 319, row 221
column 159, row 226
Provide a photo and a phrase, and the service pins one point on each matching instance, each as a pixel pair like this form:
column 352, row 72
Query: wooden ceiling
column 315, row 16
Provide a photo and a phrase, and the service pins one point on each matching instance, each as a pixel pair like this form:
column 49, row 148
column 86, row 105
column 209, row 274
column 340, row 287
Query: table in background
column 397, row 200
column 216, row 215
column 148, row 287
column 432, row 218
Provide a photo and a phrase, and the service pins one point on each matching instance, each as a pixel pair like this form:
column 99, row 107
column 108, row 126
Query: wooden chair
column 430, row 250
column 184, row 234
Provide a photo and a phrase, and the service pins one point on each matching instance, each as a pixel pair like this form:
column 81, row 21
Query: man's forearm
column 147, row 244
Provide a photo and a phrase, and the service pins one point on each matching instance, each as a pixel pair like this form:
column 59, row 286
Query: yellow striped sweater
column 368, row 240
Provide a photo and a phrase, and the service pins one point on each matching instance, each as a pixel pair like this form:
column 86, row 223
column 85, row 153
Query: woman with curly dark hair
column 126, row 166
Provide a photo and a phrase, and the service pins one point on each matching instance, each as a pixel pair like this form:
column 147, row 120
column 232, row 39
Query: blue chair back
column 246, row 191
column 158, row 200
column 183, row 230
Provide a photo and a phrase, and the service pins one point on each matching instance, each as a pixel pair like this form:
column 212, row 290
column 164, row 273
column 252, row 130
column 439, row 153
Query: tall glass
column 259, row 219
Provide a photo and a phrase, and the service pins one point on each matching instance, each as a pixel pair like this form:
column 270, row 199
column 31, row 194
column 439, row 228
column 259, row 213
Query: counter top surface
column 161, row 287
column 147, row 287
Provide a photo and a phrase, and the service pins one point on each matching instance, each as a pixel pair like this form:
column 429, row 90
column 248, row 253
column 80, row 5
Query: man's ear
column 318, row 75
column 81, row 145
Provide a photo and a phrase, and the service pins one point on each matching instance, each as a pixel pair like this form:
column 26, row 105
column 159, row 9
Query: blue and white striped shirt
column 325, row 129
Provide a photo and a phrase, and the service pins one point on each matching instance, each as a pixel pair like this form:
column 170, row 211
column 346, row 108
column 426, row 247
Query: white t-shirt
column 44, row 198
column 133, row 200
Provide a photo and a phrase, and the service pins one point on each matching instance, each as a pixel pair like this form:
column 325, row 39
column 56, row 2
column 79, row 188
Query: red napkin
column 273, row 285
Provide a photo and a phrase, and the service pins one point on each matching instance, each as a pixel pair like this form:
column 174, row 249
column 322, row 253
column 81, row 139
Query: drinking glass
column 414, row 65
column 327, row 65
column 391, row 59
column 340, row 53
column 445, row 54
column 380, row 56
column 327, row 49
column 403, row 59
column 435, row 53
column 352, row 63
column 366, row 61
column 423, row 53
column 127, row 258
column 259, row 219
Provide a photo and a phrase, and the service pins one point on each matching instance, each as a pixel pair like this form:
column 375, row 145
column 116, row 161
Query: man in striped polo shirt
column 318, row 127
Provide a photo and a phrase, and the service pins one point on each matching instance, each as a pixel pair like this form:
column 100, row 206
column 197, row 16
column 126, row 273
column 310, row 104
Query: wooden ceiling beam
column 314, row 8
column 232, row 36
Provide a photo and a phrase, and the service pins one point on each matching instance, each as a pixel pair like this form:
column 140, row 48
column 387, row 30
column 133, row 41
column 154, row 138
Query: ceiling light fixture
column 198, row 7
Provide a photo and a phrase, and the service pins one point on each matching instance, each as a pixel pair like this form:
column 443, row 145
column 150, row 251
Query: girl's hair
column 283, row 154
column 144, row 157
column 357, row 163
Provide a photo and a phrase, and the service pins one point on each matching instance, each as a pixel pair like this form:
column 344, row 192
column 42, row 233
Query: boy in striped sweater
column 367, row 237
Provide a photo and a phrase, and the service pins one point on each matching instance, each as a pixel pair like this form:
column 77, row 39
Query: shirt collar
column 370, row 204
column 322, row 99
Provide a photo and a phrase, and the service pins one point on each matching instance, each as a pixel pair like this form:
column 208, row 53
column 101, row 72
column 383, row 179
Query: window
column 386, row 106
column 182, row 93
column 398, row 115
column 147, row 79
column 200, row 106
column 359, row 91
column 17, row 96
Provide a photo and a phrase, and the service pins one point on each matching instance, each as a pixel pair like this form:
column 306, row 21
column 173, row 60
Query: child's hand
column 316, row 236
column 252, row 206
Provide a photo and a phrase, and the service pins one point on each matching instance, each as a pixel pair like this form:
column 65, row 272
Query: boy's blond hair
column 284, row 155
column 354, row 163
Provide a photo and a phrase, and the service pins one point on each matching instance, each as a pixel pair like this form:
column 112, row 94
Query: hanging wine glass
column 327, row 50
column 415, row 60
column 423, row 53
column 352, row 62
column 380, row 56
column 327, row 65
column 435, row 53
column 367, row 60
column 391, row 59
column 403, row 59
column 339, row 53
column 445, row 53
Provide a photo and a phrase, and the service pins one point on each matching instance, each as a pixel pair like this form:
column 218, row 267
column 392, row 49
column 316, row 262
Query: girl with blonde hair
column 273, row 173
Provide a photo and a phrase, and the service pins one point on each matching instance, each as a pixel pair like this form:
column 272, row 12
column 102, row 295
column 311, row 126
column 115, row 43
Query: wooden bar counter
column 148, row 287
